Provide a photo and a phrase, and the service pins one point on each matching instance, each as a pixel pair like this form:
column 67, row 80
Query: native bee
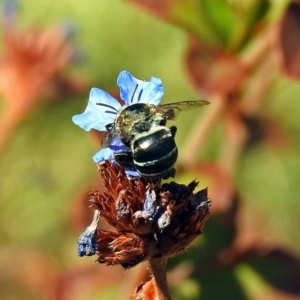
column 142, row 128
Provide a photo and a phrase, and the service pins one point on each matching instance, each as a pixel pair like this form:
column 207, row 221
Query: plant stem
column 158, row 270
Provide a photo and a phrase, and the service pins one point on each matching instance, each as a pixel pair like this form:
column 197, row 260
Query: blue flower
column 87, row 242
column 133, row 90
column 102, row 110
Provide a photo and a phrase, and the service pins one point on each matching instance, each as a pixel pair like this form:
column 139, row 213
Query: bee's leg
column 170, row 173
column 161, row 121
column 173, row 130
column 124, row 158
column 126, row 143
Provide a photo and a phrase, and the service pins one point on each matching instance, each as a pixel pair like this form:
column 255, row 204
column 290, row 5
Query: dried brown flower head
column 32, row 60
column 150, row 220
column 33, row 65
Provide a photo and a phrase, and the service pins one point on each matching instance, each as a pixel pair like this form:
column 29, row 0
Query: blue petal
column 150, row 203
column 116, row 144
column 133, row 90
column 132, row 173
column 153, row 91
column 96, row 116
column 107, row 154
column 103, row 154
column 87, row 242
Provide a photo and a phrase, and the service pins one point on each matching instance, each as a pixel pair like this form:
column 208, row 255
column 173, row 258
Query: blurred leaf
column 26, row 277
column 289, row 42
column 220, row 185
column 252, row 282
column 191, row 17
column 188, row 289
column 278, row 267
column 84, row 282
column 187, row 14
column 213, row 71
column 219, row 284
column 248, row 17
column 220, row 23
column 257, row 13
column 221, row 17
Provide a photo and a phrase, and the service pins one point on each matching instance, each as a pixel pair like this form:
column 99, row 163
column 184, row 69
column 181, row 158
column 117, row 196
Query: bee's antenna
column 106, row 105
column 134, row 92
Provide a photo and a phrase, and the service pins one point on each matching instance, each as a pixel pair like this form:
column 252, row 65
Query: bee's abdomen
column 155, row 154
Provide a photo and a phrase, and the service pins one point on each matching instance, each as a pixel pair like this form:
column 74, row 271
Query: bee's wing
column 171, row 110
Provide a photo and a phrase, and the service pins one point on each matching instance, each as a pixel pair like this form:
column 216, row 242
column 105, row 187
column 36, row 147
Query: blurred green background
column 47, row 162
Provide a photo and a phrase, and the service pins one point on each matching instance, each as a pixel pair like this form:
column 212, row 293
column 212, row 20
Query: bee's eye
column 109, row 126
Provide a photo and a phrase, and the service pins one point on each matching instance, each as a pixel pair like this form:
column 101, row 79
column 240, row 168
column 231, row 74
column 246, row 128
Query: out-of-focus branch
column 200, row 131
column 259, row 47
column 259, row 86
column 236, row 132
column 202, row 127
column 234, row 140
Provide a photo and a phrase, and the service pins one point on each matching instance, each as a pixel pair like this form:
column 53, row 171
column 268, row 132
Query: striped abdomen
column 155, row 154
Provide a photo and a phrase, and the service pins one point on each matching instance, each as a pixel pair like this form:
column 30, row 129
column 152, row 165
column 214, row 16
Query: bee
column 142, row 128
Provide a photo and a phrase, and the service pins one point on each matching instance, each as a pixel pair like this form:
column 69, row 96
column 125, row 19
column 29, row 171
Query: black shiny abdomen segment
column 124, row 159
column 155, row 153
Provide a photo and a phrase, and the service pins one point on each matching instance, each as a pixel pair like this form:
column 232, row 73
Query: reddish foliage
column 160, row 8
column 221, row 186
column 289, row 42
column 32, row 66
column 213, row 71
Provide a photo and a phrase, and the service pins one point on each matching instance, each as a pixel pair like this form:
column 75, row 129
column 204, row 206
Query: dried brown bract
column 150, row 220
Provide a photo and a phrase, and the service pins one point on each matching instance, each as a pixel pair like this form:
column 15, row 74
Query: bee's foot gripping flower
column 150, row 219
